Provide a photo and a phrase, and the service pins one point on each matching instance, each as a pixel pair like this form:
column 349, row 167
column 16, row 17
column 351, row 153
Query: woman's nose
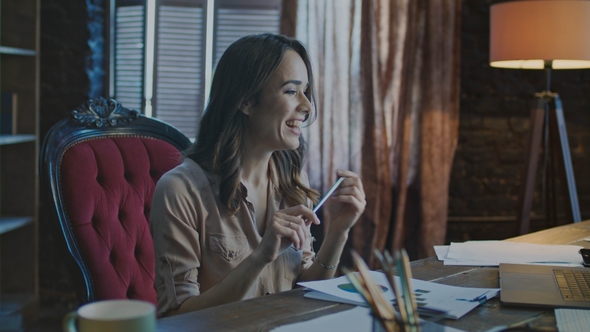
column 304, row 105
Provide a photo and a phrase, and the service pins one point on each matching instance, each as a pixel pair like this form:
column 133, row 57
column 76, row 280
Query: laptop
column 545, row 285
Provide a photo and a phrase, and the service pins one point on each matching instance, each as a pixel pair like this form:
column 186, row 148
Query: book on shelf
column 8, row 108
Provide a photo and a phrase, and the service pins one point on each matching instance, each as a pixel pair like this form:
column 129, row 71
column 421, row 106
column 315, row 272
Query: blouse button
column 231, row 254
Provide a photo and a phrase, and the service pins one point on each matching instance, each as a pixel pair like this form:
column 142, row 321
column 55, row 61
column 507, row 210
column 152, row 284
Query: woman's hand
column 347, row 203
column 287, row 227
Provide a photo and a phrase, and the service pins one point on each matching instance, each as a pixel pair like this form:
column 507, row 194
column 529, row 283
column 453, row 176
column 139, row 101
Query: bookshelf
column 19, row 77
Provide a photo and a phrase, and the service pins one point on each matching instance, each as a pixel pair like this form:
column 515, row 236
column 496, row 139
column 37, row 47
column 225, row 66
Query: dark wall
column 72, row 71
column 64, row 50
column 493, row 133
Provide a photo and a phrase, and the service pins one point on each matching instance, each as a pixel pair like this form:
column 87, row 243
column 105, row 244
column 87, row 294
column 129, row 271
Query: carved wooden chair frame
column 95, row 118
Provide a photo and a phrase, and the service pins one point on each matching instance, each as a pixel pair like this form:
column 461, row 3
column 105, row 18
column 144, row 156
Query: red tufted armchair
column 98, row 169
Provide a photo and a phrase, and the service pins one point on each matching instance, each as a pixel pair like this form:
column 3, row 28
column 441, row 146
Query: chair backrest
column 98, row 170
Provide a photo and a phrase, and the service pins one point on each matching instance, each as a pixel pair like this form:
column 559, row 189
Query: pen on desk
column 332, row 189
column 481, row 299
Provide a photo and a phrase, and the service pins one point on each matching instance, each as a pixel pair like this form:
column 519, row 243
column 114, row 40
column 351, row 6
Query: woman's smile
column 294, row 125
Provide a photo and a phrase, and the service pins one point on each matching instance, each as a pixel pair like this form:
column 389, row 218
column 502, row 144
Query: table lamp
column 544, row 34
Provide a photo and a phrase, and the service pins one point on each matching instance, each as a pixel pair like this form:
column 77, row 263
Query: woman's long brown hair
column 240, row 75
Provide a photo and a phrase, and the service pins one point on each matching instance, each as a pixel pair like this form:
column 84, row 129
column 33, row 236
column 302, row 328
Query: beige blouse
column 197, row 242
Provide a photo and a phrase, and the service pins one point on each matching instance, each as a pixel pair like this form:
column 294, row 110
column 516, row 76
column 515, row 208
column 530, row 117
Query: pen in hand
column 327, row 195
column 325, row 198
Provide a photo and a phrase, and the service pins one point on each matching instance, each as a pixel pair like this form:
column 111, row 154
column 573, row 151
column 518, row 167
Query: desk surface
column 265, row 313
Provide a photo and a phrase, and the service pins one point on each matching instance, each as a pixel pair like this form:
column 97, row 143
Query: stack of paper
column 492, row 253
column 453, row 301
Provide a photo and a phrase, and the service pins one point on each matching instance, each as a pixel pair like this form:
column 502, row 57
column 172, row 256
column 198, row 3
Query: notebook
column 545, row 285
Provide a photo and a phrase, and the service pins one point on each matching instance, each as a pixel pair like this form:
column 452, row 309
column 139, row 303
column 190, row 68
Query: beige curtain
column 387, row 73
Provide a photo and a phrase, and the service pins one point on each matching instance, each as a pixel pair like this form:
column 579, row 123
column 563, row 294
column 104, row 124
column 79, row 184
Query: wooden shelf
column 17, row 51
column 15, row 139
column 19, row 178
column 8, row 224
column 14, row 310
column 14, row 303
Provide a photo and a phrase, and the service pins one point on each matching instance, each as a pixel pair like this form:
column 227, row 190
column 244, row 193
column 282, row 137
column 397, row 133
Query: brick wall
column 493, row 133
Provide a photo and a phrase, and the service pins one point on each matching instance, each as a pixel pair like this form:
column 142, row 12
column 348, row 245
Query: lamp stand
column 547, row 118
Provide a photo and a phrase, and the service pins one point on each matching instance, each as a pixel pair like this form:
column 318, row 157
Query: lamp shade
column 525, row 34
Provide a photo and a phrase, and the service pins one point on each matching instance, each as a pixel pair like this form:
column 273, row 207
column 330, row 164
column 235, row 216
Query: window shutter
column 179, row 51
column 179, row 63
column 129, row 55
column 236, row 19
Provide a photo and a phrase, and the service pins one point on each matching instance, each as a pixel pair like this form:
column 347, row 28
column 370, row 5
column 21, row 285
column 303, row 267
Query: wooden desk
column 265, row 313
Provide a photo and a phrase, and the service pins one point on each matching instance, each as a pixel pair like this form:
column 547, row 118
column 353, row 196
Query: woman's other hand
column 347, row 203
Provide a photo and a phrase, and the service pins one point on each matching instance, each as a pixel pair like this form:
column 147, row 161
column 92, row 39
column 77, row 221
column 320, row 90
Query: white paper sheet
column 455, row 301
column 491, row 253
column 354, row 320
column 572, row 320
column 441, row 252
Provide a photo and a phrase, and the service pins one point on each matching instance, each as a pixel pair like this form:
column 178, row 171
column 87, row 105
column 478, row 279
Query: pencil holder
column 384, row 325
column 390, row 325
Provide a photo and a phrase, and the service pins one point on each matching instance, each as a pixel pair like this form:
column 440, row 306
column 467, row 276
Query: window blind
column 179, row 51
column 178, row 76
column 129, row 56
column 234, row 23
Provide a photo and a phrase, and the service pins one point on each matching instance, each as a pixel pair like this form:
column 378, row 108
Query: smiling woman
column 233, row 220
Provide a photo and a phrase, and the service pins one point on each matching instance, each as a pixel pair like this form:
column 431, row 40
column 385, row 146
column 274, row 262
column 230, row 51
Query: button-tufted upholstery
column 102, row 181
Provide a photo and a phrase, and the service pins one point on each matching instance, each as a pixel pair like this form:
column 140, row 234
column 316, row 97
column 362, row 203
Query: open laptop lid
column 536, row 285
